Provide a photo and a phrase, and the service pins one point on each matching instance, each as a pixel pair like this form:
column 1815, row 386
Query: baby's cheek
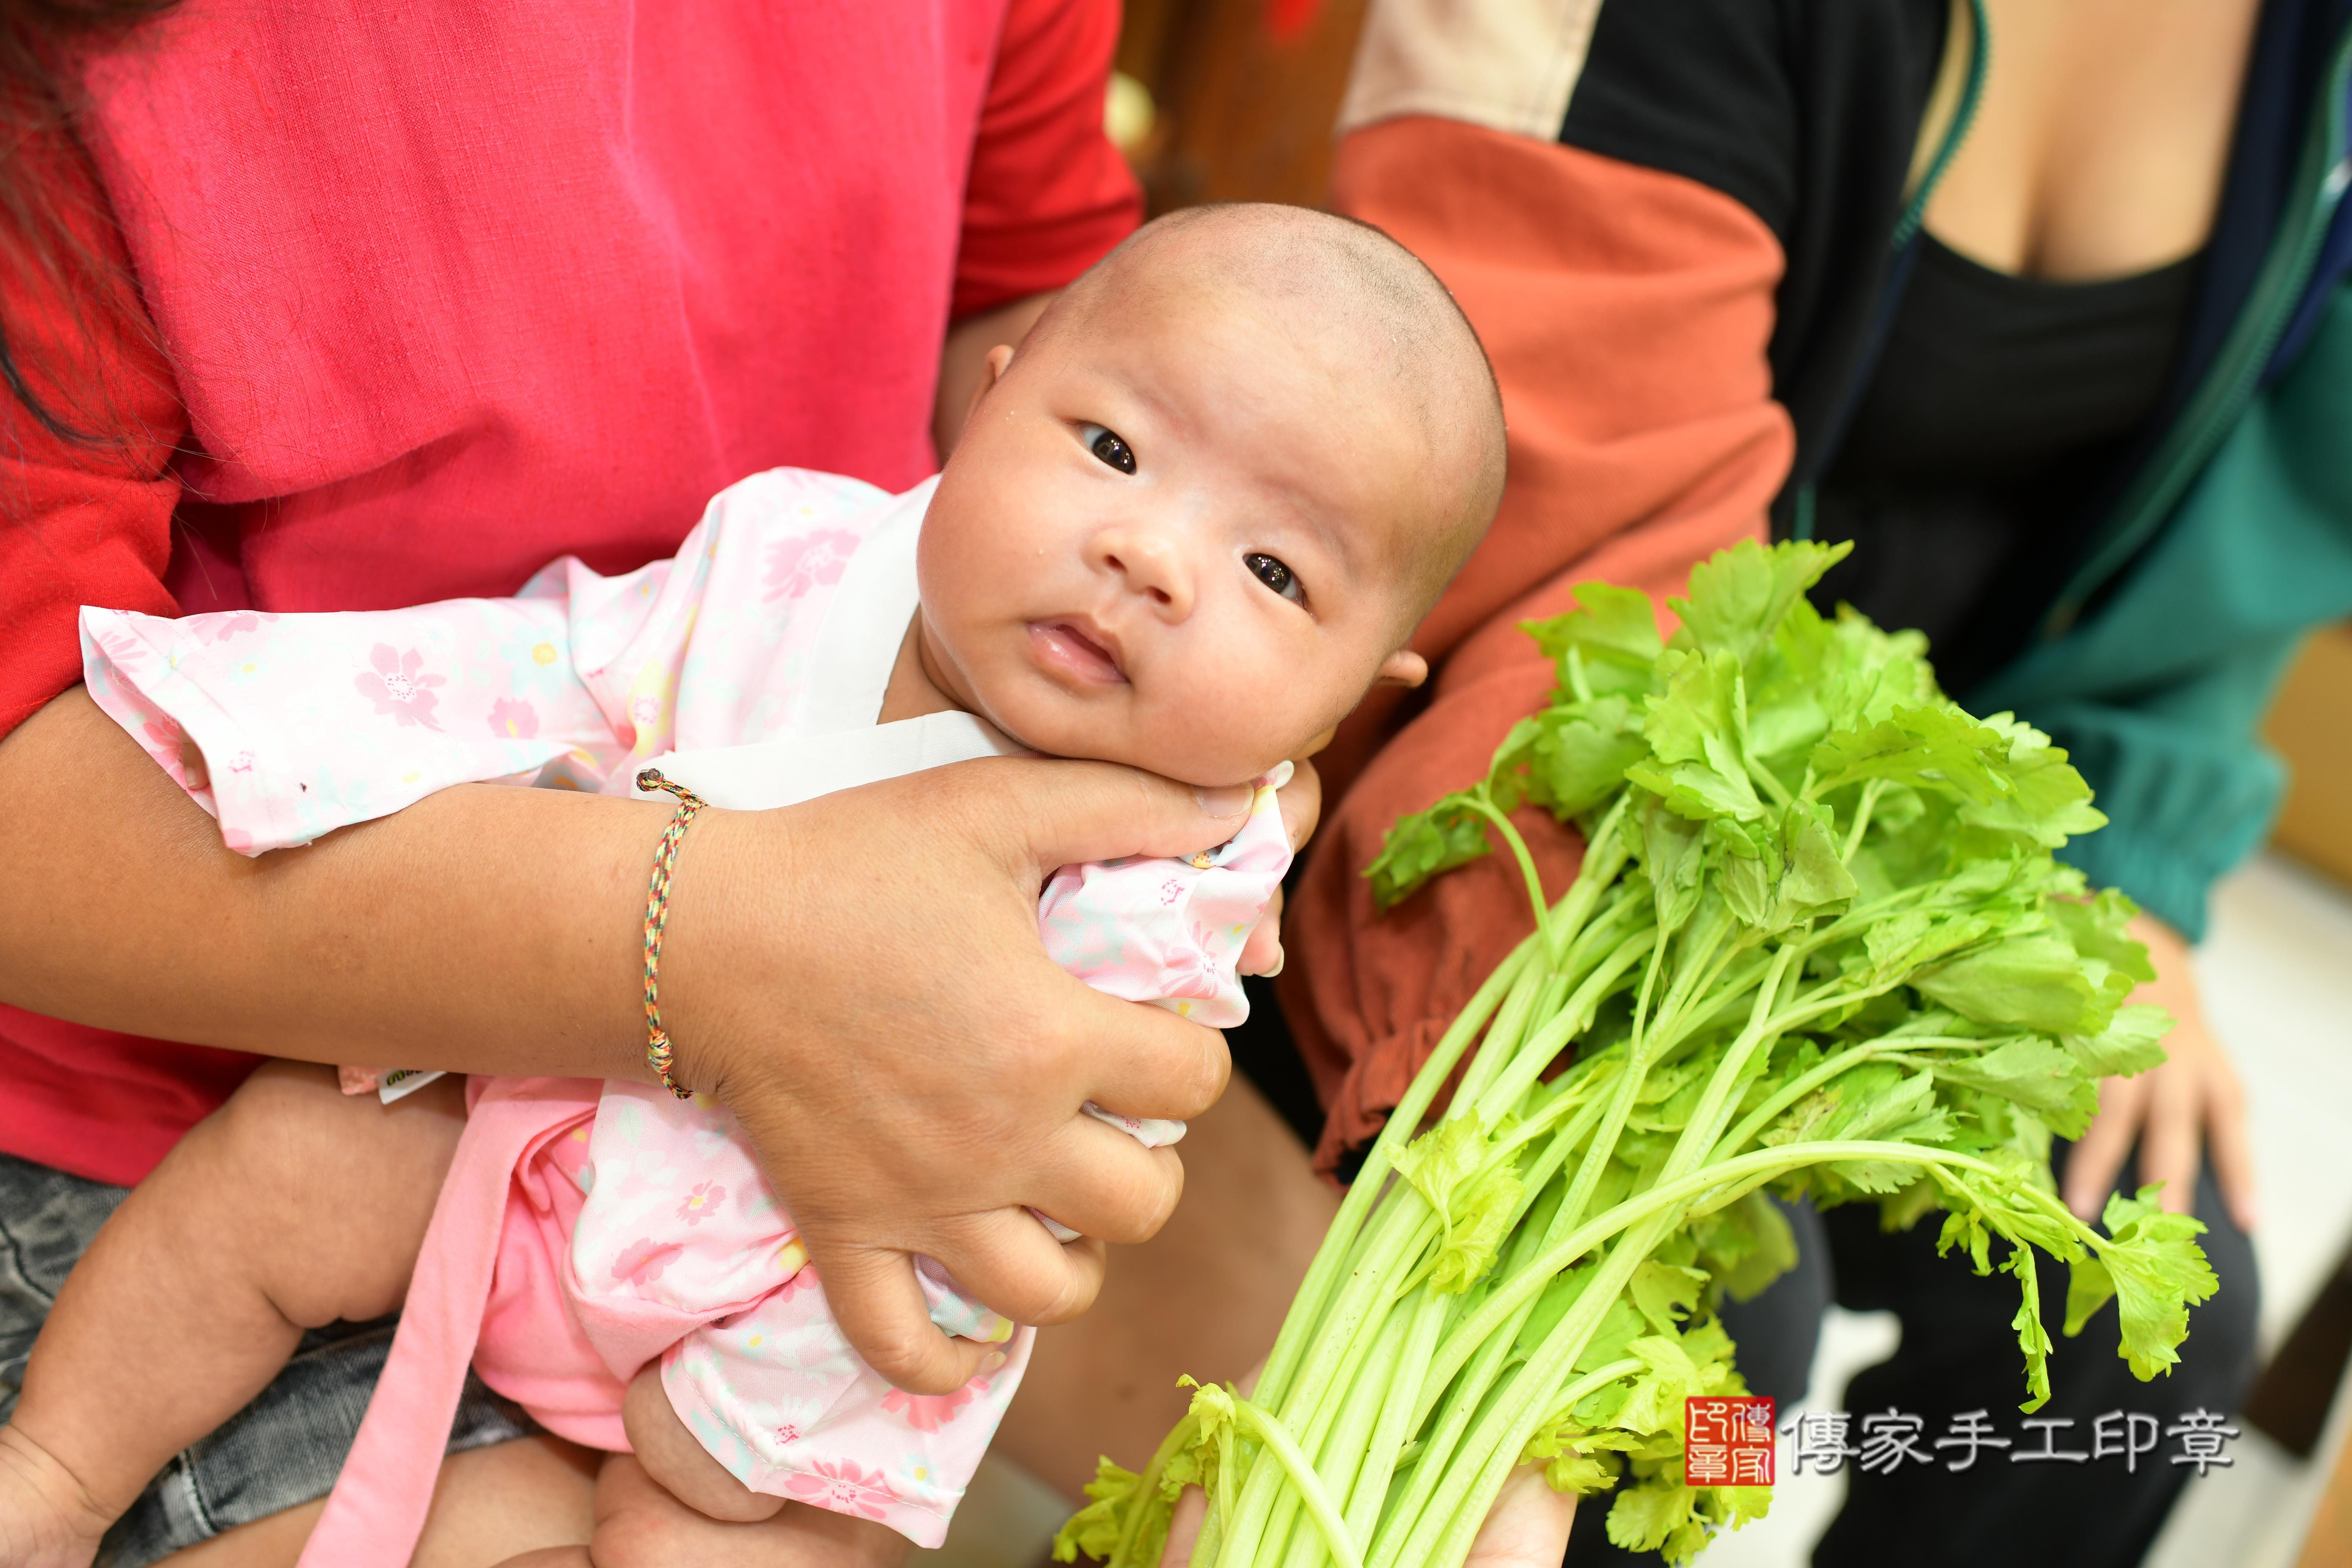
column 1244, row 716
column 1187, row 736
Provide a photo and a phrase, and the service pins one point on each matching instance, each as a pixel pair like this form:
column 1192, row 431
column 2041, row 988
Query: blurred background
column 1220, row 100
column 1234, row 100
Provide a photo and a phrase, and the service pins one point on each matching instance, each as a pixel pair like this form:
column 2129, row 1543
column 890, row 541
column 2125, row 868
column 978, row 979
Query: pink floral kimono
column 586, row 1228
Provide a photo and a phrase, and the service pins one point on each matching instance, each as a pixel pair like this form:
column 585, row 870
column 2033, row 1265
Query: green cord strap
column 1915, row 212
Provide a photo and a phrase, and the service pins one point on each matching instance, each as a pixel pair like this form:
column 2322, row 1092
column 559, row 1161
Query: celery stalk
column 1818, row 945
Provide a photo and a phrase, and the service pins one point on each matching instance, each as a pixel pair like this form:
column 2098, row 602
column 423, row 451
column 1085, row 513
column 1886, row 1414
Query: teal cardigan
column 2159, row 695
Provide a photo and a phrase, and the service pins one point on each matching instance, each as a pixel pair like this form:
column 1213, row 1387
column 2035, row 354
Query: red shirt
column 449, row 291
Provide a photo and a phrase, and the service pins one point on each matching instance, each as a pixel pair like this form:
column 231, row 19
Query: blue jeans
column 281, row 1450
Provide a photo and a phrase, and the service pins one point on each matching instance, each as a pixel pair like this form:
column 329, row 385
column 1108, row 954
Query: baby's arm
column 291, row 1207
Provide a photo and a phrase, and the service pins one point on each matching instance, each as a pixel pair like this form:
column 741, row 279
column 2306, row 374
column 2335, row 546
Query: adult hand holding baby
column 907, row 1061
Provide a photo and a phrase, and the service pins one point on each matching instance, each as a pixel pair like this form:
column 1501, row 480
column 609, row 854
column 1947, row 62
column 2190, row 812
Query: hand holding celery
column 1818, row 945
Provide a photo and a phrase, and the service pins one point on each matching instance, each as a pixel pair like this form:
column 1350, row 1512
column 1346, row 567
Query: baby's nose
column 1152, row 566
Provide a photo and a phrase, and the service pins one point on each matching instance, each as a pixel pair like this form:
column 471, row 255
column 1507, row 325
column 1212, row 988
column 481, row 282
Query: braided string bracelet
column 657, row 1051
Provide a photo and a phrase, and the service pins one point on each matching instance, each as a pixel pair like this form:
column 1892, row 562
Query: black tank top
column 1983, row 443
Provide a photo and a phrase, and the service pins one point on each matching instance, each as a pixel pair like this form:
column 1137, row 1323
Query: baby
column 1190, row 522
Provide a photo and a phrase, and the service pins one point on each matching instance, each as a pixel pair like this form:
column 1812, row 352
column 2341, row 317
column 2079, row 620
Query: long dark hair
column 58, row 254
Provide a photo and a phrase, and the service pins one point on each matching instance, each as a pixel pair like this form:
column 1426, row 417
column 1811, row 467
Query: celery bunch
column 1818, row 945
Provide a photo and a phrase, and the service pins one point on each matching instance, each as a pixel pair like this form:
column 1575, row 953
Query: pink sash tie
column 377, row 1509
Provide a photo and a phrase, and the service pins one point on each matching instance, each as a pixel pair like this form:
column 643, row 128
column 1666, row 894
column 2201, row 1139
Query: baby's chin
column 1184, row 767
column 1089, row 736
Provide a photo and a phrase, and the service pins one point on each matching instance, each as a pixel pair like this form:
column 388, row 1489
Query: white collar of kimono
column 839, row 746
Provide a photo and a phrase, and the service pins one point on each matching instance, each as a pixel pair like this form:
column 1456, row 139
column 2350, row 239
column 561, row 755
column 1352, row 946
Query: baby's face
column 1171, row 538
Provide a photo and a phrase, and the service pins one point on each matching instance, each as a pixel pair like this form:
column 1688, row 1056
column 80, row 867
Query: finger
column 1302, row 802
column 1008, row 1262
column 1184, row 1529
column 1527, row 1527
column 1262, row 954
column 2170, row 1138
column 881, row 1310
column 2099, row 1154
column 2231, row 1148
column 1098, row 1179
column 1137, row 1059
column 1057, row 813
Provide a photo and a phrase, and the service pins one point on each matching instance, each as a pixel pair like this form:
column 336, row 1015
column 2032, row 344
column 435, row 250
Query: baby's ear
column 992, row 369
column 1403, row 668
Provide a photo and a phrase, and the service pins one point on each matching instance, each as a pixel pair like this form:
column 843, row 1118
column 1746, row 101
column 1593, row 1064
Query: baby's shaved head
column 1359, row 301
column 1202, row 509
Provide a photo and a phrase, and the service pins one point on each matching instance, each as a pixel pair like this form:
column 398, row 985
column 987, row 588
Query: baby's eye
column 1108, row 446
column 1277, row 576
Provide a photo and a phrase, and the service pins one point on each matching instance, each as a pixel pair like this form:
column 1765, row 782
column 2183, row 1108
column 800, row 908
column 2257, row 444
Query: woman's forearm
column 485, row 929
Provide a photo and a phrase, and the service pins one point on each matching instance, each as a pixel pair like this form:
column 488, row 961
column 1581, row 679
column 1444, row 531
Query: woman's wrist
column 705, row 939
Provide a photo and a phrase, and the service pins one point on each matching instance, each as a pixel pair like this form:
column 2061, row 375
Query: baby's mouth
column 1084, row 653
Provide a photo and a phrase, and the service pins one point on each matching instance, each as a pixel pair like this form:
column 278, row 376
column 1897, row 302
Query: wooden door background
column 1245, row 93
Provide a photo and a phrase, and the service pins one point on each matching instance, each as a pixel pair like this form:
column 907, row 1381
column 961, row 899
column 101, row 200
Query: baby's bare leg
column 639, row 1525
column 671, row 1505
column 291, row 1207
